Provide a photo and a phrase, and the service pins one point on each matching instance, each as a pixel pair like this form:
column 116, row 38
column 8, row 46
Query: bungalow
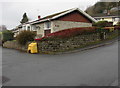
column 59, row 21
column 63, row 20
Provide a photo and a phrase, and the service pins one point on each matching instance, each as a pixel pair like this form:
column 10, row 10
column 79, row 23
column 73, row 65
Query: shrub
column 25, row 36
column 0, row 35
column 117, row 27
column 68, row 33
column 102, row 24
column 118, row 23
column 7, row 35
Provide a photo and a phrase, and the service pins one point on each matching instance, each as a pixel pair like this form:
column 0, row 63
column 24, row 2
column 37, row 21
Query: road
column 0, row 66
column 95, row 67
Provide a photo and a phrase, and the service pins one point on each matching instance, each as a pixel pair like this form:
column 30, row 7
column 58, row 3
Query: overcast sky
column 11, row 12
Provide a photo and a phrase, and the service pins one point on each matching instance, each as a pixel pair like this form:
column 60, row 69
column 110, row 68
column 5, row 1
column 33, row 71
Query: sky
column 11, row 11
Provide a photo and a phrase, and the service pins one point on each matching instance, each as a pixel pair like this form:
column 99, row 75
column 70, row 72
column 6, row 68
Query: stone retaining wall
column 59, row 45
column 14, row 45
column 67, row 44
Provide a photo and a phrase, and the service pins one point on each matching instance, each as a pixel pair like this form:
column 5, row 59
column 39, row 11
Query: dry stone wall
column 67, row 44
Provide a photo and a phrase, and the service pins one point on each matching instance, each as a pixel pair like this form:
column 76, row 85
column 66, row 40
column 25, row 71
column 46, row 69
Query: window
column 28, row 28
column 102, row 18
column 117, row 19
column 24, row 27
column 47, row 25
column 37, row 27
column 113, row 19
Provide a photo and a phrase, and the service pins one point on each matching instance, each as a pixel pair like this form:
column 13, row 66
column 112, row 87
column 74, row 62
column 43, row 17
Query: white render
column 56, row 25
column 61, row 25
column 40, row 30
column 23, row 27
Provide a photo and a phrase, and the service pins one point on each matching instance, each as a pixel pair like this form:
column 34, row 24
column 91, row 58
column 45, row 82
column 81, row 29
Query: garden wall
column 14, row 45
column 59, row 45
column 62, row 45
column 76, row 42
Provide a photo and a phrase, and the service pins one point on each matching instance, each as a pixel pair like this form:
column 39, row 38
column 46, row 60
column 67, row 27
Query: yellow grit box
column 32, row 48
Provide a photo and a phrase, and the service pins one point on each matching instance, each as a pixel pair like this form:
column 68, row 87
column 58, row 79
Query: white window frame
column 46, row 27
column 37, row 27
column 23, row 28
column 28, row 27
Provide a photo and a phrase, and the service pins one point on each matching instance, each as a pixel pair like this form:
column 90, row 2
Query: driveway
column 95, row 67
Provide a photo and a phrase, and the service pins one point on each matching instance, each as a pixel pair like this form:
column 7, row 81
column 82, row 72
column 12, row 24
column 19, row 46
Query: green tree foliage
column 0, row 36
column 24, row 19
column 7, row 35
column 118, row 23
column 102, row 24
column 25, row 36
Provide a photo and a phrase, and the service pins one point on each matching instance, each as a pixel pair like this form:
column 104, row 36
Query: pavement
column 0, row 67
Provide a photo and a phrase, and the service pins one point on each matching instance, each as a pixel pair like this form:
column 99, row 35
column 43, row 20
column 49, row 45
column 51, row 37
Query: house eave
column 67, row 12
column 41, row 21
column 89, row 17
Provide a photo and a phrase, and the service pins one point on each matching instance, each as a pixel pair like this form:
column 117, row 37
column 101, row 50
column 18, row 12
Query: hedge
column 69, row 33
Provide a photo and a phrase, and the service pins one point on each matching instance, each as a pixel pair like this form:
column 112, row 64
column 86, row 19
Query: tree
column 24, row 19
column 118, row 23
column 3, row 28
column 102, row 24
column 7, row 35
column 25, row 36
column 0, row 36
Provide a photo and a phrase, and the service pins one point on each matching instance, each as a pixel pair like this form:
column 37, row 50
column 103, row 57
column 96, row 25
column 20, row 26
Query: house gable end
column 74, row 16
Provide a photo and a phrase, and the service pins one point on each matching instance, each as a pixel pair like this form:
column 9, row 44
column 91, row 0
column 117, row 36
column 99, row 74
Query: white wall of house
column 33, row 28
column 24, row 27
column 55, row 25
column 16, row 33
column 60, row 25
column 40, row 29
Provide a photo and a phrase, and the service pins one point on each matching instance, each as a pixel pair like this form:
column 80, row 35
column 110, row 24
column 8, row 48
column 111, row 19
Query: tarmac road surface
column 94, row 67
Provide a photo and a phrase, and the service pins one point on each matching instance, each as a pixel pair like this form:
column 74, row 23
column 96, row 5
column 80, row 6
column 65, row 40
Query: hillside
column 104, row 8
